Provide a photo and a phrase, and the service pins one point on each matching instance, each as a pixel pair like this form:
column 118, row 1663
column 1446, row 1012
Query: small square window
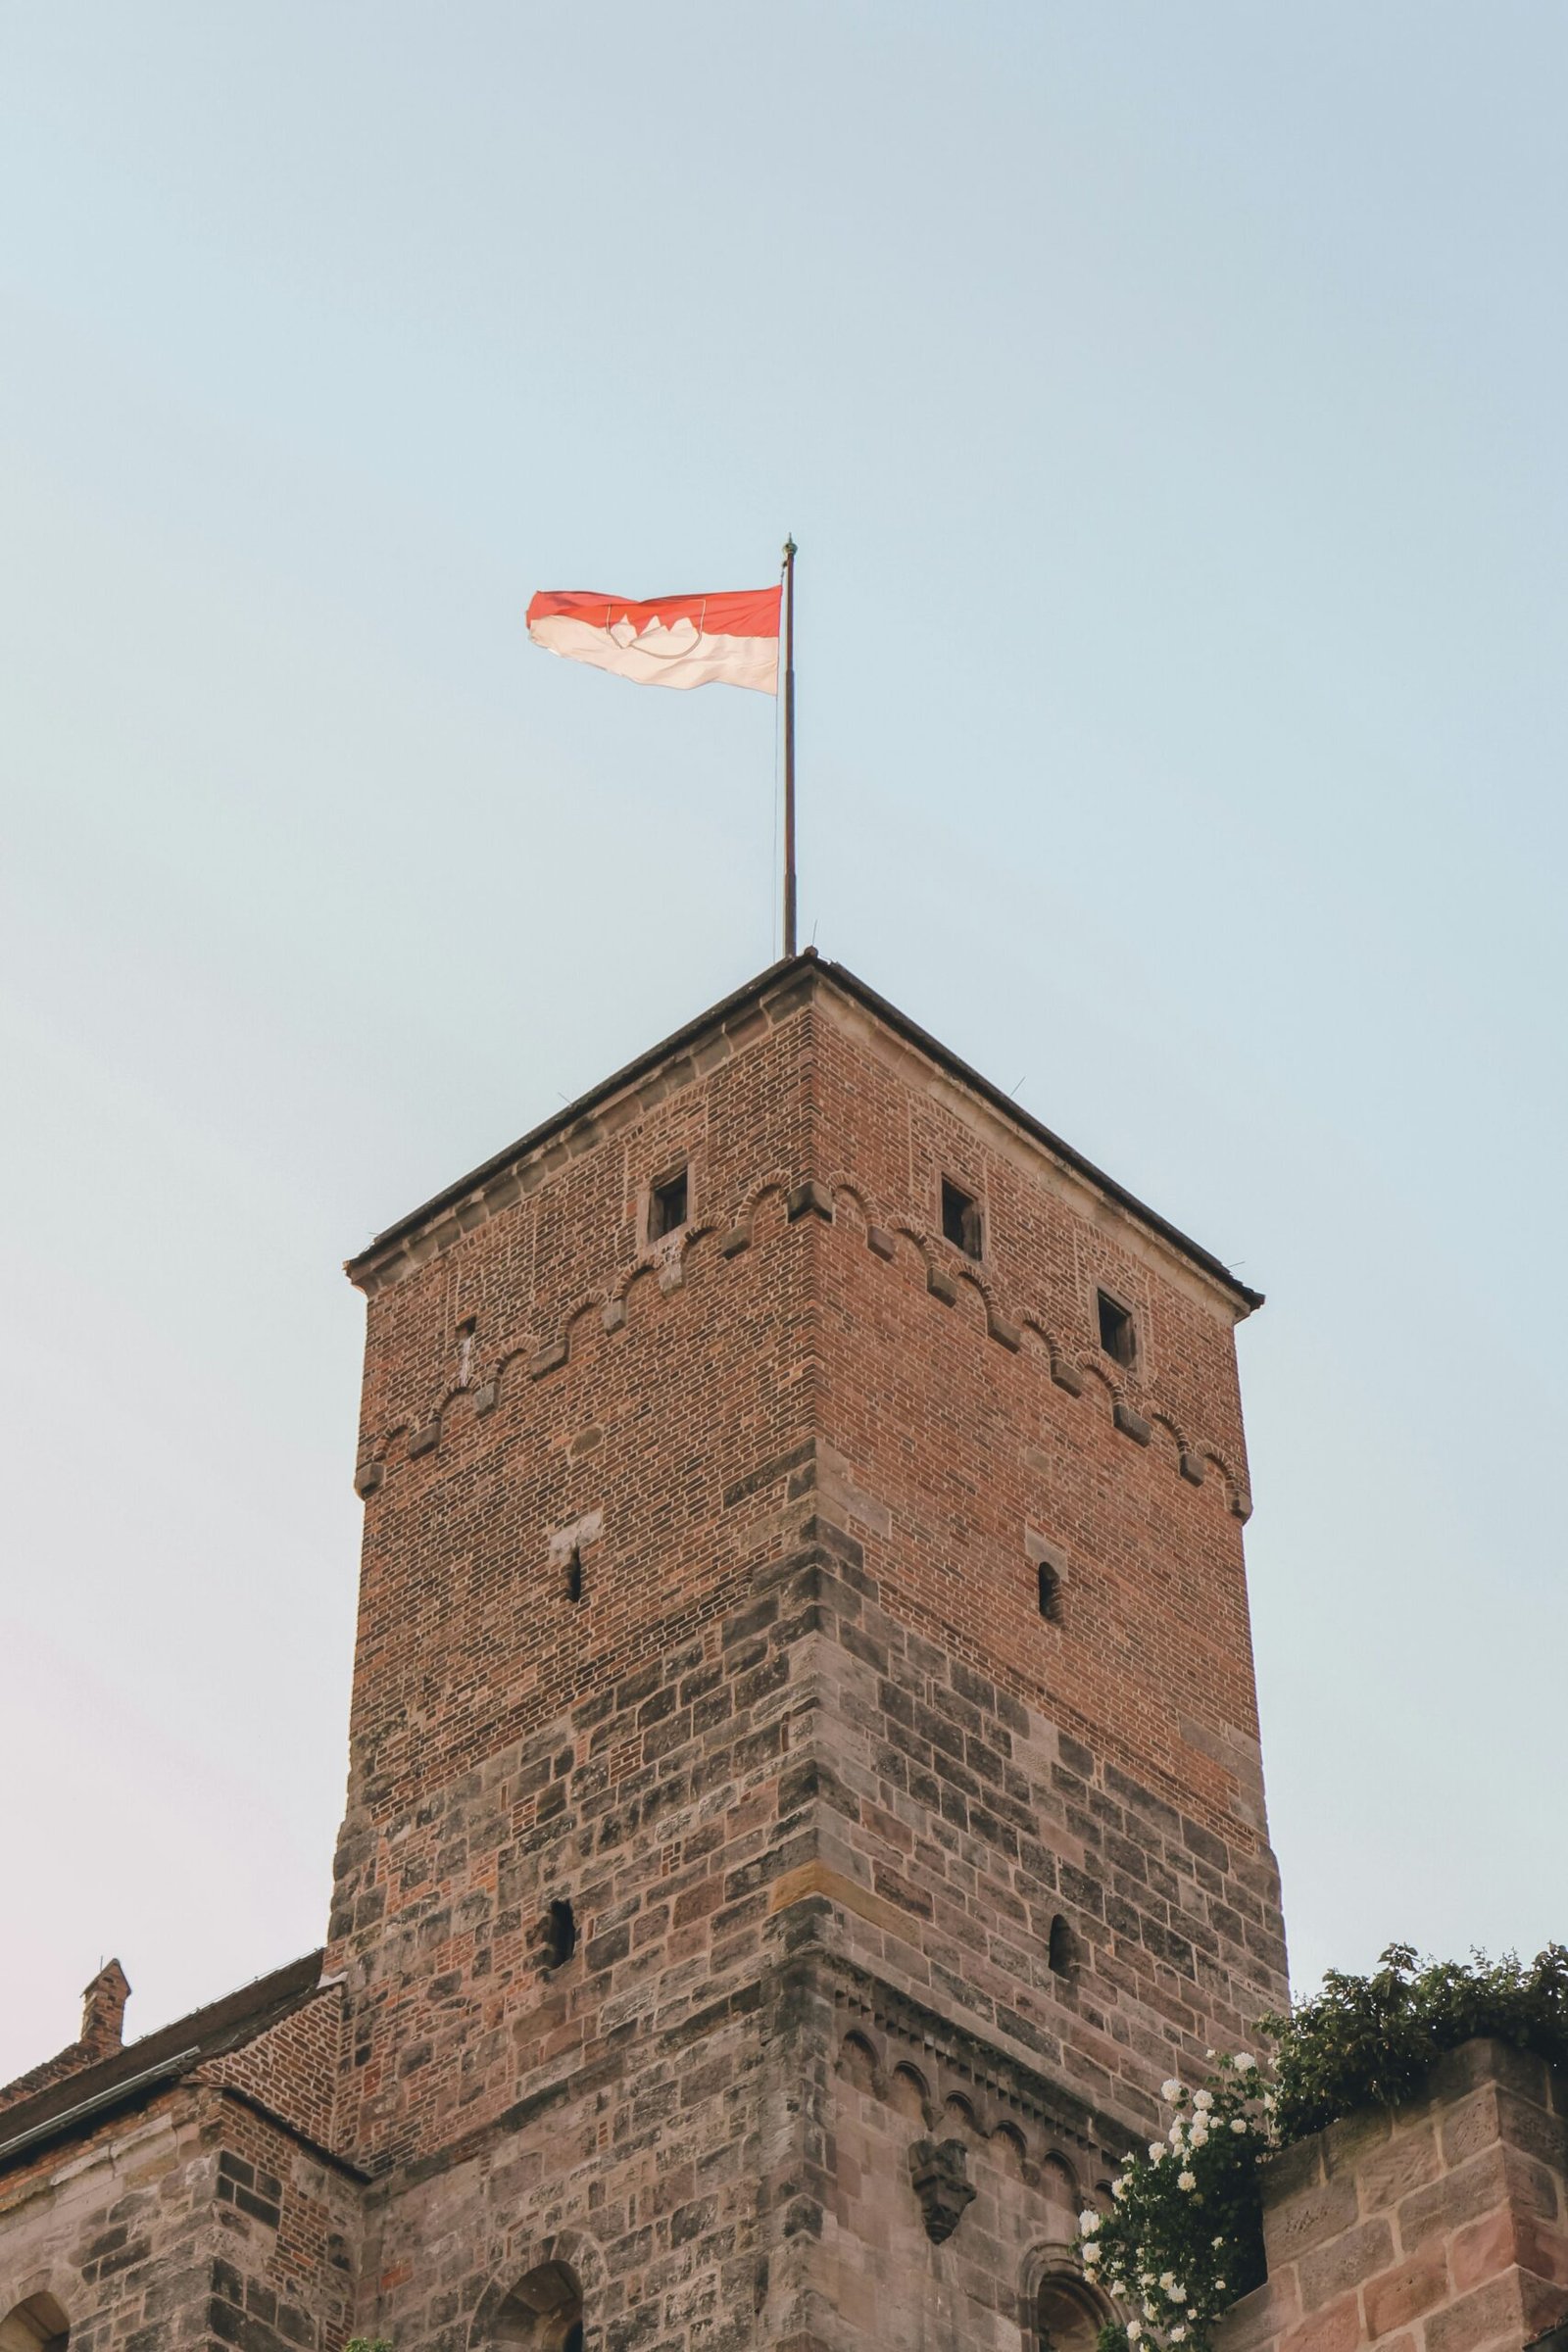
column 1118, row 1334
column 667, row 1205
column 960, row 1218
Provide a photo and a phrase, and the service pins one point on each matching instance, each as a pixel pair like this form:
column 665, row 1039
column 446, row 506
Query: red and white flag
column 725, row 640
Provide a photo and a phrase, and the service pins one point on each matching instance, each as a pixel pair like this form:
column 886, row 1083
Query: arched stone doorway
column 37, row 2325
column 1067, row 2316
column 543, row 2312
column 1062, row 2312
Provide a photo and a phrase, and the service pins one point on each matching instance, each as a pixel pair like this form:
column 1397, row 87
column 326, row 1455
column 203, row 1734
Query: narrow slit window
column 961, row 1217
column 561, row 1935
column 1059, row 1953
column 1050, row 1594
column 667, row 1205
column 1118, row 1334
column 574, row 1574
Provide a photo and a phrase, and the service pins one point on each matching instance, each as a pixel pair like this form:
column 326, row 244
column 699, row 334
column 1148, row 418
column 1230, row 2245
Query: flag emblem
column 729, row 639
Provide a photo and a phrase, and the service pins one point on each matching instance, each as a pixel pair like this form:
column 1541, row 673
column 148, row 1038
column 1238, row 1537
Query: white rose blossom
column 1202, row 2098
column 1176, row 2294
column 1156, row 2151
column 1089, row 2220
column 1244, row 2062
column 1178, row 2336
column 1238, row 2123
column 1172, row 2091
column 1118, row 2189
column 1167, row 2280
column 1135, row 2329
column 1218, row 2242
column 1187, row 2179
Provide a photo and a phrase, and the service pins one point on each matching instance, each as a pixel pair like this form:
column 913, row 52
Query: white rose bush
column 1184, row 2234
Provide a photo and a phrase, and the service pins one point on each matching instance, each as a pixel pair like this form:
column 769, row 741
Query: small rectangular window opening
column 1117, row 1335
column 1050, row 1594
column 667, row 1206
column 960, row 1218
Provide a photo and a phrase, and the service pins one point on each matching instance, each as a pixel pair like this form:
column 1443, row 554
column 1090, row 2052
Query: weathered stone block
column 1399, row 2296
column 1332, row 2270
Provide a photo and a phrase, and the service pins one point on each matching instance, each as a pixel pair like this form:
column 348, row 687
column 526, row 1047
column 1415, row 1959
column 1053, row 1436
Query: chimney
column 103, row 2011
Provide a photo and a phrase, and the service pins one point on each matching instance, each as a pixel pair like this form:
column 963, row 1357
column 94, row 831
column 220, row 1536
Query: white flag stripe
column 679, row 655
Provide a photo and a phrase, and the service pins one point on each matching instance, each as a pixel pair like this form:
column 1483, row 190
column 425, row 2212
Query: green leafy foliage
column 1366, row 2041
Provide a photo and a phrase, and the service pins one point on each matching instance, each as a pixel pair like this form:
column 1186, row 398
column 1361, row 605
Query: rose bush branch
column 1183, row 2237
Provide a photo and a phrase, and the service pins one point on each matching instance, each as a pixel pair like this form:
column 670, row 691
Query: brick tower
column 804, row 1789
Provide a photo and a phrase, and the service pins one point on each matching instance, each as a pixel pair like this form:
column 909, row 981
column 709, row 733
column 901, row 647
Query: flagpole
column 789, row 746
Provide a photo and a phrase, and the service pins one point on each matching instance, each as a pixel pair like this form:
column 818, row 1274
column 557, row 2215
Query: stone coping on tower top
column 774, row 995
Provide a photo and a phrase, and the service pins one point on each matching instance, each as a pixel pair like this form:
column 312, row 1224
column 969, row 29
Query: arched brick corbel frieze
column 664, row 1260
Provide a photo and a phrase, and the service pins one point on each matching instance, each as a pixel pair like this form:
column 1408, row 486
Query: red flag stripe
column 735, row 613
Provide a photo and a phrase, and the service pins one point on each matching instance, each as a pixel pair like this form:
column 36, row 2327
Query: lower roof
column 158, row 2059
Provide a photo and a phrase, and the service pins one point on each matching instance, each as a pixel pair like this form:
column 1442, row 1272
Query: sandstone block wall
column 194, row 2222
column 1441, row 2228
column 985, row 1857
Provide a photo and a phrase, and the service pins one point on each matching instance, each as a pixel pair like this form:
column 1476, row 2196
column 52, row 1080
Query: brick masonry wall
column 292, row 2069
column 979, row 1411
column 1441, row 2228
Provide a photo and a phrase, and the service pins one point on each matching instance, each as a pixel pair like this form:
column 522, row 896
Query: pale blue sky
column 1169, row 403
